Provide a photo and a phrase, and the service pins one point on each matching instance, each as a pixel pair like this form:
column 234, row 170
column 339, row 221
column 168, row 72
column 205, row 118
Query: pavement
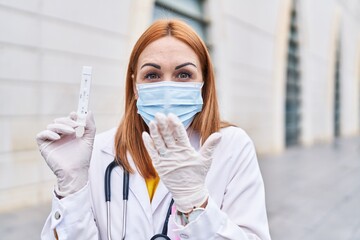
column 25, row 223
column 312, row 193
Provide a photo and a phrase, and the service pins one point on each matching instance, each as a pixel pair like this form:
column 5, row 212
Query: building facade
column 287, row 72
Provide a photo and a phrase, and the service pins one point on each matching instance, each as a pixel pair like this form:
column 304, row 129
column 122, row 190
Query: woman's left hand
column 181, row 168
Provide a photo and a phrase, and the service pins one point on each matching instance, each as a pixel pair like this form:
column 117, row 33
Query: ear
column 134, row 87
column 135, row 93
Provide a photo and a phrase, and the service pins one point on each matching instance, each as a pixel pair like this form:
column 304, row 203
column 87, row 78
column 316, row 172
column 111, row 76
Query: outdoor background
column 287, row 72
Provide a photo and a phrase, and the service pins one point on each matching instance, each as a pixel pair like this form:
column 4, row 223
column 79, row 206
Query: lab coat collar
column 108, row 144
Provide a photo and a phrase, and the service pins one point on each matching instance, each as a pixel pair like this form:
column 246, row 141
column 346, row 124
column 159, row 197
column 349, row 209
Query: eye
column 184, row 75
column 152, row 76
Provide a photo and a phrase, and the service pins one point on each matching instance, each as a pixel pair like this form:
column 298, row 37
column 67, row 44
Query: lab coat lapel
column 137, row 186
column 160, row 193
column 139, row 189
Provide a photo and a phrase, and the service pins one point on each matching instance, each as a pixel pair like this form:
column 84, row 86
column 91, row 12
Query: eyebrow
column 151, row 65
column 184, row 64
column 176, row 68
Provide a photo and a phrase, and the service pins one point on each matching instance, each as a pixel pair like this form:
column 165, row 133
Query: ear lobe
column 134, row 87
column 135, row 93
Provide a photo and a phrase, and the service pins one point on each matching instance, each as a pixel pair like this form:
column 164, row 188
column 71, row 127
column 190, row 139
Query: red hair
column 128, row 137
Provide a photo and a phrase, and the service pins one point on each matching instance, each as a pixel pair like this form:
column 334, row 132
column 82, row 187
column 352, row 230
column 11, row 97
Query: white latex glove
column 181, row 168
column 67, row 155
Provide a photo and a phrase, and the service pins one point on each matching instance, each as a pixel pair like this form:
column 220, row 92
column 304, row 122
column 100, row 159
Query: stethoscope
column 110, row 167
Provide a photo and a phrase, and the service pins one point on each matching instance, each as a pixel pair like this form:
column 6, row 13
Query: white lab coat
column 235, row 210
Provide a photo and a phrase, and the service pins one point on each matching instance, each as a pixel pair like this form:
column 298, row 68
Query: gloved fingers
column 73, row 116
column 46, row 136
column 61, row 129
column 157, row 139
column 164, row 129
column 150, row 147
column 67, row 121
column 210, row 144
column 179, row 132
column 90, row 128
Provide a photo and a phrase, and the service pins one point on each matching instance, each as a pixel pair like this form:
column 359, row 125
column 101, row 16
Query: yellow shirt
column 151, row 184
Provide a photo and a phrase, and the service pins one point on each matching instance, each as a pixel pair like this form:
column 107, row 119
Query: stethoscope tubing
column 107, row 188
column 125, row 201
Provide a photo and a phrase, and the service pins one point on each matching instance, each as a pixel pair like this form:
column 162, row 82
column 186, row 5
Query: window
column 337, row 109
column 293, row 89
column 191, row 11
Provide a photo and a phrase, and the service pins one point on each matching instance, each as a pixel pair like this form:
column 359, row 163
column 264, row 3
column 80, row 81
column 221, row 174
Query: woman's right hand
column 67, row 155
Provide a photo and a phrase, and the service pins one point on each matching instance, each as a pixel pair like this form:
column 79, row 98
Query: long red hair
column 128, row 137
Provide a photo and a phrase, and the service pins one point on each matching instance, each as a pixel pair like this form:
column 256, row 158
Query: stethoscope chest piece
column 160, row 236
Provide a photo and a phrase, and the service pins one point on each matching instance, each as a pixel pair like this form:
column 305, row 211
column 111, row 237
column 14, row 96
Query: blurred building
column 288, row 72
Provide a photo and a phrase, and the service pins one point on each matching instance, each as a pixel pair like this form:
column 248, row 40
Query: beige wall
column 250, row 47
column 243, row 34
column 44, row 44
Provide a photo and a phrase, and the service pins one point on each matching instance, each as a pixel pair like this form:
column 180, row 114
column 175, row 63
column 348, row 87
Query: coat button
column 57, row 215
column 184, row 236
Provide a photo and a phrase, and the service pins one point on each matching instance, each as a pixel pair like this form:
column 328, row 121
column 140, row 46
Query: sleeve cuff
column 211, row 219
column 214, row 221
column 70, row 209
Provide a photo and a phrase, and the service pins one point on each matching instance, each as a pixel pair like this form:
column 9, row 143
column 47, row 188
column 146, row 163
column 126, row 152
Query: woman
column 174, row 146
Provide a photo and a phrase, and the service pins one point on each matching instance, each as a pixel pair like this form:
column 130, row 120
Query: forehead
column 168, row 50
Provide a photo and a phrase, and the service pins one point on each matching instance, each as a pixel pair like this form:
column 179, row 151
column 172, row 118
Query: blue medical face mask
column 180, row 98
